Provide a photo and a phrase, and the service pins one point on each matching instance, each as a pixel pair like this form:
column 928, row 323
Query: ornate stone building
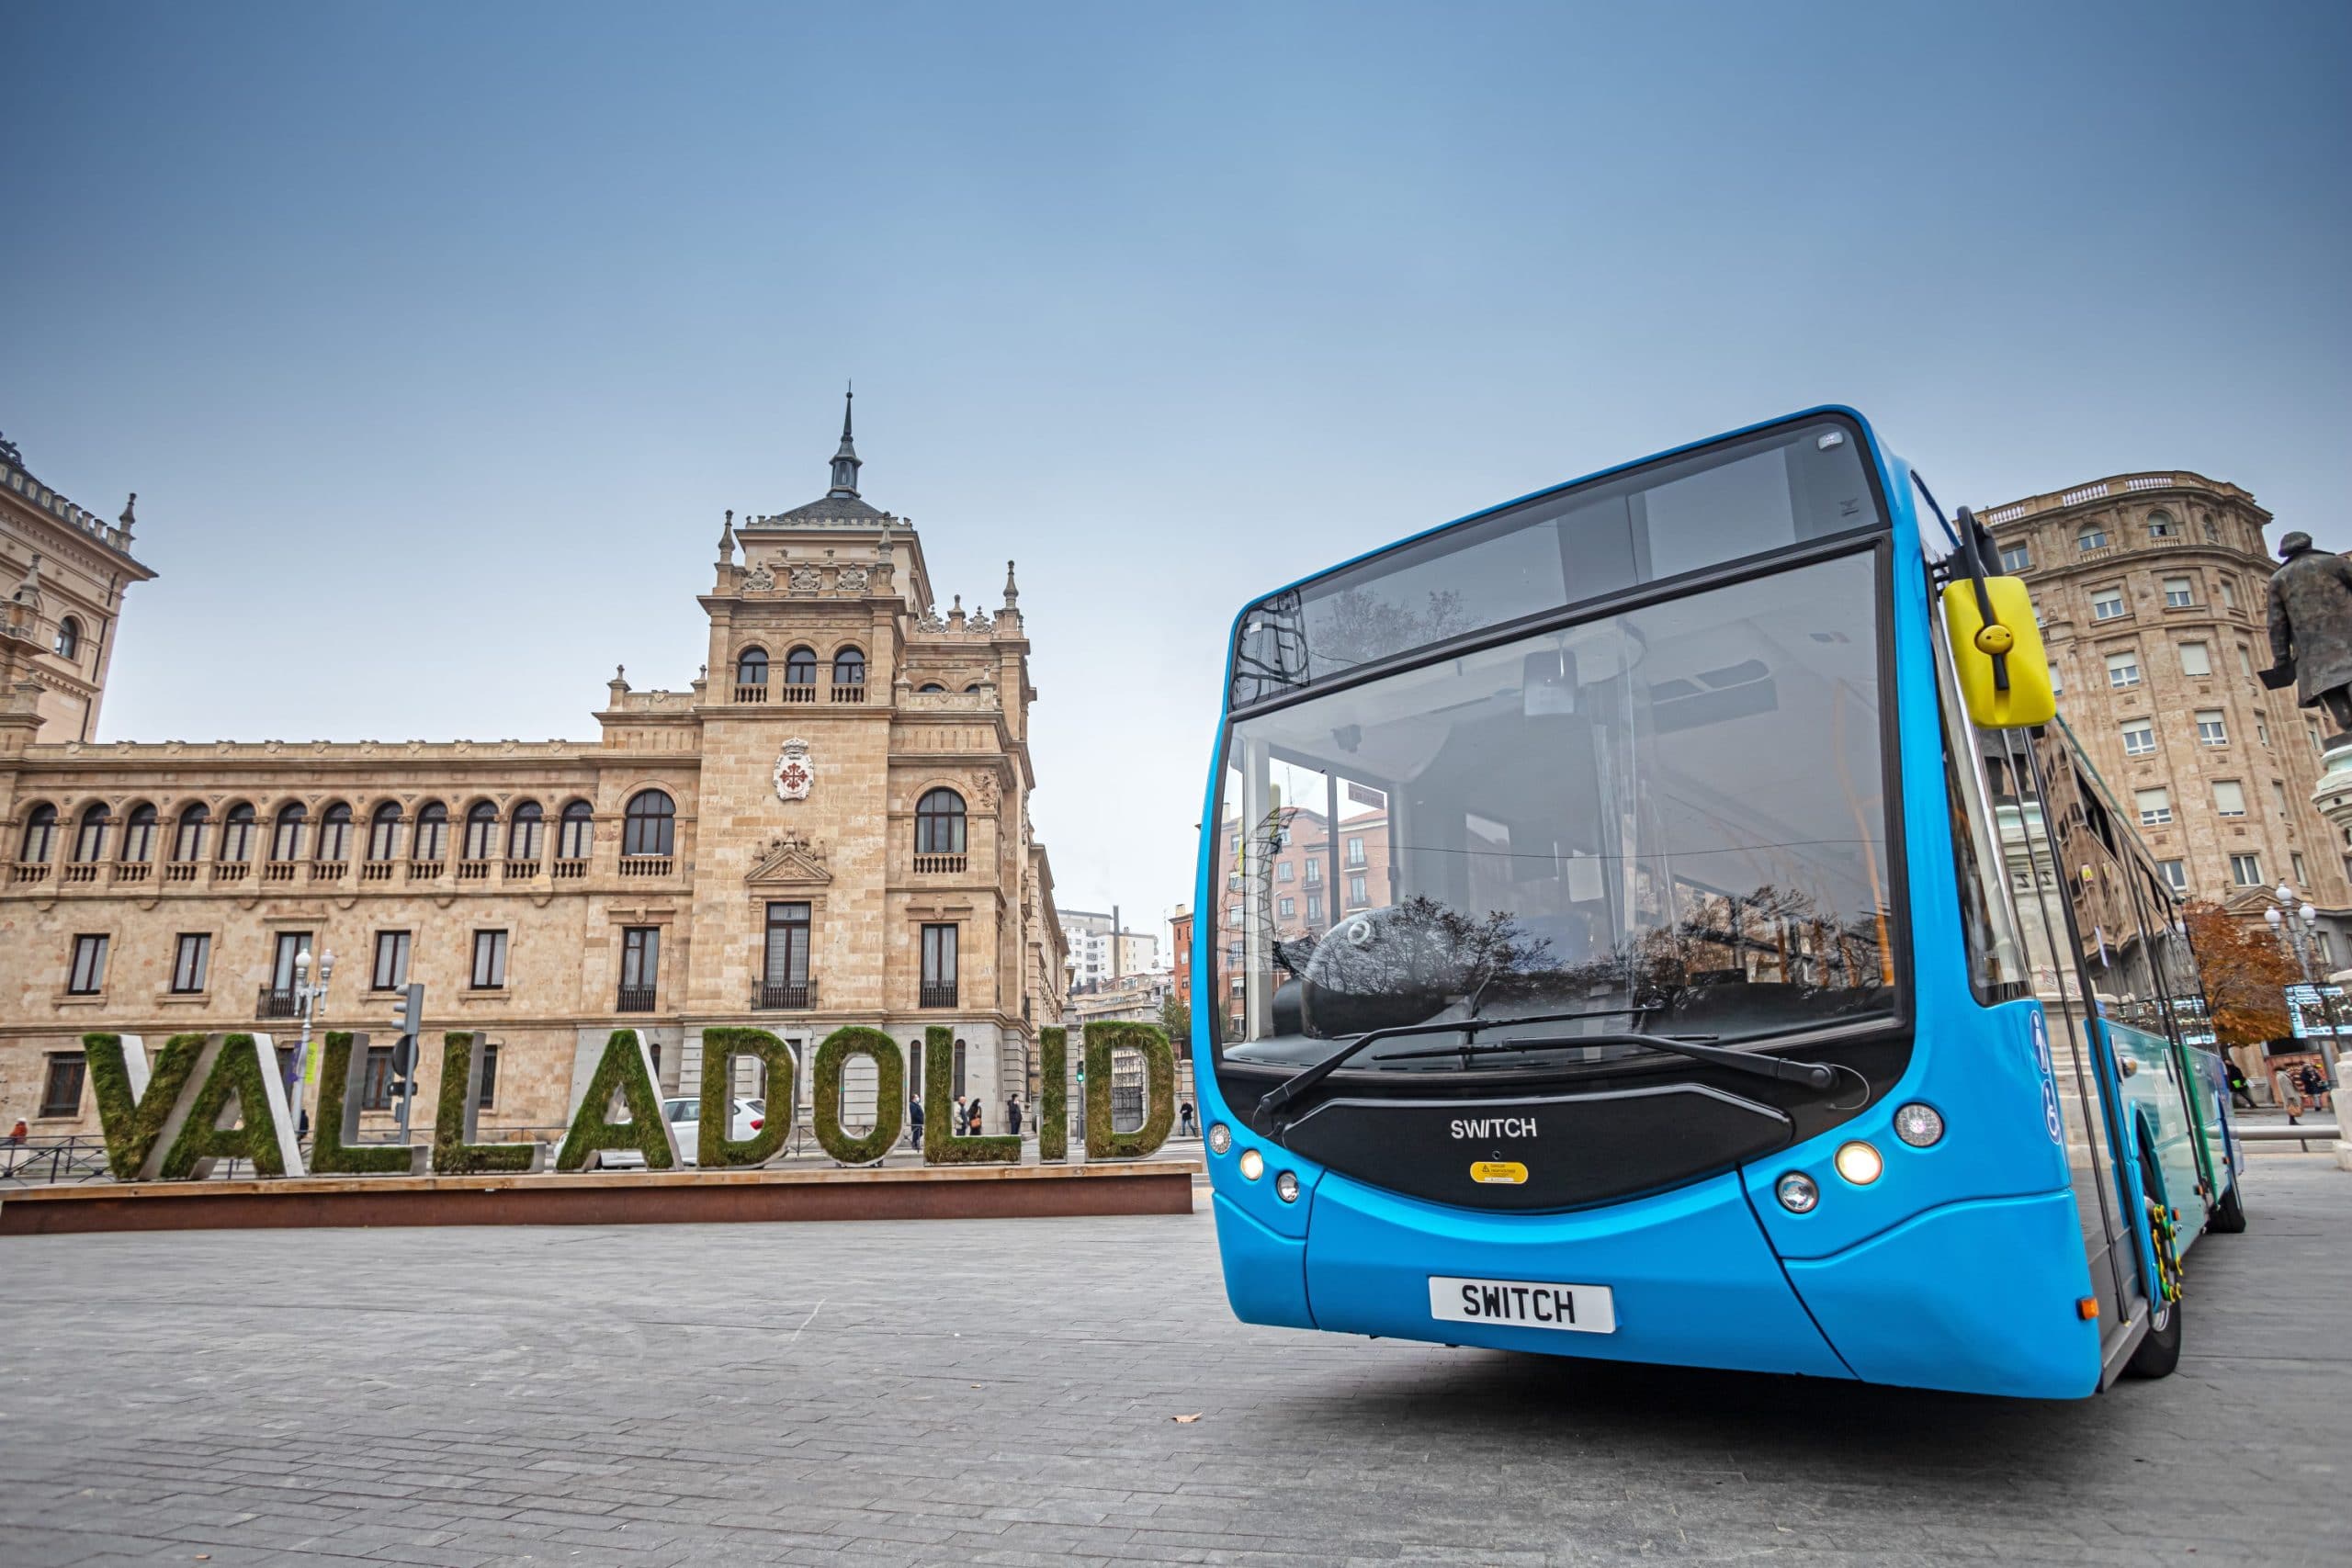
column 832, row 827
column 2151, row 591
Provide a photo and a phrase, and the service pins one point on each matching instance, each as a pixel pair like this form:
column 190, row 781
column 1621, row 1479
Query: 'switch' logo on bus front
column 1495, row 1127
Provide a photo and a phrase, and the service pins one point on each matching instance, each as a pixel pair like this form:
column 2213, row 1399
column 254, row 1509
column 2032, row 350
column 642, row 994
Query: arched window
column 334, row 834
column 237, row 833
column 939, row 823
column 751, row 668
column 2161, row 525
column 139, row 836
column 801, row 667
column 384, row 832
column 286, row 837
column 849, row 667
column 188, row 838
column 648, row 825
column 932, row 686
column 972, row 690
column 40, row 835
column 431, row 841
column 522, row 838
column 482, row 831
column 2092, row 537
column 69, row 639
column 90, row 838
column 577, row 834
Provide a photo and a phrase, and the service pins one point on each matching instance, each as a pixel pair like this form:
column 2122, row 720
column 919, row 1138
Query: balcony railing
column 232, row 870
column 376, row 871
column 522, row 869
column 28, row 870
column 424, row 870
column 81, row 871
column 279, row 871
column 792, row 693
column 181, row 871
column 751, row 694
column 328, row 870
column 565, row 870
column 274, row 1002
column 932, row 866
column 767, row 998
column 936, row 994
column 635, row 999
column 849, row 693
column 474, row 871
column 134, row 871
column 645, row 866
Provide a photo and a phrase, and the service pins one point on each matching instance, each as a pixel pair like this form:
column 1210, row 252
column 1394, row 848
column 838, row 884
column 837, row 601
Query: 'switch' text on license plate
column 1523, row 1303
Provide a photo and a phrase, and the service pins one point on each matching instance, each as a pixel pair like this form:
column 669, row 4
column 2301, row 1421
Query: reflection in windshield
column 1673, row 817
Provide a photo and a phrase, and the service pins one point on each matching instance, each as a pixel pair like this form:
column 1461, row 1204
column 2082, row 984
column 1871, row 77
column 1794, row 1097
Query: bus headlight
column 1253, row 1164
column 1220, row 1138
column 1286, row 1187
column 1796, row 1192
column 1918, row 1125
column 1860, row 1164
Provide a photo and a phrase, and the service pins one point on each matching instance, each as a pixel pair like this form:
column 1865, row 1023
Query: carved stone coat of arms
column 793, row 772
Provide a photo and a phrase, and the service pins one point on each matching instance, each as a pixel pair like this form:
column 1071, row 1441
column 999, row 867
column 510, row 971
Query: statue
column 2311, row 629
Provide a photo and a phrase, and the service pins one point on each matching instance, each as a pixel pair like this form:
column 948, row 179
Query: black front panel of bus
column 1541, row 1152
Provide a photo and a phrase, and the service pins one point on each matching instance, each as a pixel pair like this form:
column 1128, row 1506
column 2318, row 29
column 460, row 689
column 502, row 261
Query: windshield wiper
column 1812, row 1075
column 1293, row 1087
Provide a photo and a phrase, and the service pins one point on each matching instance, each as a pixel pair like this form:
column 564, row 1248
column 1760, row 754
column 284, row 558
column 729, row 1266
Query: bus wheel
column 2229, row 1219
column 2159, row 1352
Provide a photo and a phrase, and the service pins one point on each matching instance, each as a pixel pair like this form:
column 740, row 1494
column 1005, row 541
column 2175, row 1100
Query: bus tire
column 2158, row 1353
column 2229, row 1217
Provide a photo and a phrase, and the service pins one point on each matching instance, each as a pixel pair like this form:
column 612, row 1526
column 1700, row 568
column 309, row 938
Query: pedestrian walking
column 955, row 1123
column 1012, row 1114
column 914, row 1122
column 1184, row 1118
column 974, row 1126
column 2314, row 1083
column 2240, row 1095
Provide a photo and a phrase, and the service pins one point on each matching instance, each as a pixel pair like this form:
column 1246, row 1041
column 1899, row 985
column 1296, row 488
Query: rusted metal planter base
column 609, row 1197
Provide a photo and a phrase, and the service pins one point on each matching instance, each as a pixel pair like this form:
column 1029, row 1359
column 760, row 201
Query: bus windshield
column 1671, row 819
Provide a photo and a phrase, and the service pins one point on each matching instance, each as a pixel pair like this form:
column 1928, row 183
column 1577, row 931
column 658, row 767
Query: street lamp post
column 2295, row 920
column 310, row 1001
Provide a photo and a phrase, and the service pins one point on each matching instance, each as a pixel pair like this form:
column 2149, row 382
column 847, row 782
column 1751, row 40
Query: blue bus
column 1661, row 918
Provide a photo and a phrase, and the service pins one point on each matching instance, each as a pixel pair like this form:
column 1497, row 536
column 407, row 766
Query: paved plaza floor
column 1070, row 1391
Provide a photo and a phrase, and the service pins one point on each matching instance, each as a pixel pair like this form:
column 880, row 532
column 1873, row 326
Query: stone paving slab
column 1004, row 1392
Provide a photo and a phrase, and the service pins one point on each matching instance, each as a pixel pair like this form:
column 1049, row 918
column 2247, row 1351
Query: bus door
column 2050, row 819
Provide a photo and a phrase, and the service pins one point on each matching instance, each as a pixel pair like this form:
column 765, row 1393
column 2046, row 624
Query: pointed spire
column 726, row 539
column 845, row 462
column 1011, row 589
column 129, row 509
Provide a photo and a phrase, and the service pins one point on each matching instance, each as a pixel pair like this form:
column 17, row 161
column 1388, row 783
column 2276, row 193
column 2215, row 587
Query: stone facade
column 2149, row 589
column 64, row 570
column 743, row 852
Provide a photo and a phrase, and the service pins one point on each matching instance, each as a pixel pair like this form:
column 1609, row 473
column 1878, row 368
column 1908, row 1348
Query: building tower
column 63, row 570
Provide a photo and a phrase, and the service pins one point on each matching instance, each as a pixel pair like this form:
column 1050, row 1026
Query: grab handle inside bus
column 1995, row 647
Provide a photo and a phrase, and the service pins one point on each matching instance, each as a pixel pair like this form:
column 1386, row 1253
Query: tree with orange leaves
column 2246, row 974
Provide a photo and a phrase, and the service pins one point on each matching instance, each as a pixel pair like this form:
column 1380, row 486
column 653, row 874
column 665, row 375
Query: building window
column 376, row 1080
column 88, row 975
column 40, row 834
column 391, row 972
column 2160, row 526
column 2155, row 807
column 69, row 639
column 1233, row 916
column 286, row 837
column 2279, row 798
column 2176, row 874
column 237, row 834
column 334, row 834
column 90, row 839
column 488, row 1099
column 2179, row 593
column 751, row 669
column 2091, row 538
column 2303, row 877
column 2212, row 531
column 932, row 686
column 60, row 1087
column 2326, row 948
column 1285, row 871
column 489, row 960
column 191, row 963
column 801, row 667
column 2213, row 728
column 482, row 831
column 2229, row 592
column 2015, row 559
column 2122, row 669
column 1314, row 909
column 1289, row 907
column 523, row 837
column 2245, row 661
column 188, row 838
column 2229, row 797
column 939, row 968
column 1355, row 851
column 2246, row 870
column 139, row 836
column 2107, row 605
column 575, row 834
column 2057, row 680
column 2138, row 738
column 1357, row 897
column 641, row 966
column 939, row 823
column 431, row 841
column 649, row 825
column 849, row 667
column 786, row 965
column 384, row 832
column 284, row 971
column 1313, row 873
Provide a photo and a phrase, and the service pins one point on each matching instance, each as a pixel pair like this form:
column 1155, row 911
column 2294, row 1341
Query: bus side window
column 1996, row 958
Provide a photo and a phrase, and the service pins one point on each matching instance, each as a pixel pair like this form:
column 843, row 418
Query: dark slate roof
column 826, row 509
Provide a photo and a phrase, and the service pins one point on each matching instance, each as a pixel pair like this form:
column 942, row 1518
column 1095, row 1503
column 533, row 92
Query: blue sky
column 437, row 338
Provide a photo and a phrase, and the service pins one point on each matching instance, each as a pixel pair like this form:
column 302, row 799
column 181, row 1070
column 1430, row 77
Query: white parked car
column 686, row 1125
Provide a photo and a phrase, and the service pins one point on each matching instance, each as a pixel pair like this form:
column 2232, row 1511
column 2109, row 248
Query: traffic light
column 408, row 1018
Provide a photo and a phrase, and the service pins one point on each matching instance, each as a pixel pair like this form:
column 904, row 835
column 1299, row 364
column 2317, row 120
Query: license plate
column 1523, row 1303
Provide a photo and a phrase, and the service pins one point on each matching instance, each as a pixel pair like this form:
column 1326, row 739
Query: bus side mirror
column 2004, row 674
